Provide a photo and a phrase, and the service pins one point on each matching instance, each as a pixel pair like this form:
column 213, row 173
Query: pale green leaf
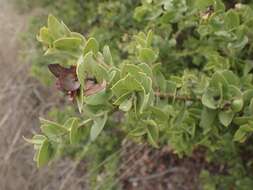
column 91, row 45
column 147, row 55
column 126, row 105
column 127, row 84
column 231, row 19
column 146, row 69
column 75, row 134
column 207, row 119
column 36, row 139
column 107, row 55
column 139, row 131
column 122, row 98
column 149, row 38
column 208, row 101
column 68, row 123
column 68, row 44
column 97, row 127
column 78, row 35
column 56, row 29
column 153, row 134
column 99, row 98
column 237, row 105
column 80, row 99
column 44, row 36
column 243, row 132
column 80, row 69
column 226, row 117
column 44, row 154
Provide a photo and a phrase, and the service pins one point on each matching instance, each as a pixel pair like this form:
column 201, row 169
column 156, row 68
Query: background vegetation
column 204, row 48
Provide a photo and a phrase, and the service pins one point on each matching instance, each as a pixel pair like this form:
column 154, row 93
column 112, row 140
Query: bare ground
column 22, row 101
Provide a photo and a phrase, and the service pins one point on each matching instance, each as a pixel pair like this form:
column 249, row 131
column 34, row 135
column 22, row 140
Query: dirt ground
column 22, row 101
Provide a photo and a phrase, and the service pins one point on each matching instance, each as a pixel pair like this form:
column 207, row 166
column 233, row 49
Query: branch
column 177, row 97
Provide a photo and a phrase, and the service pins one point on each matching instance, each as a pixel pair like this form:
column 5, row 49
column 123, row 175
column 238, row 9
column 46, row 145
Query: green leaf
column 114, row 76
column 143, row 100
column 243, row 132
column 239, row 44
column 145, row 81
column 217, row 80
column 159, row 113
column 127, row 84
column 87, row 64
column 140, row 41
column 219, row 5
column 237, row 105
column 208, row 101
column 44, row 36
column 56, row 29
column 68, row 123
column 91, row 45
column 226, row 117
column 68, row 44
column 251, row 106
column 130, row 69
column 126, row 105
column 147, row 55
column 242, row 120
column 153, row 133
column 146, row 69
column 231, row 19
column 149, row 38
column 200, row 4
column 51, row 129
column 75, row 135
column 80, row 99
column 139, row 131
column 36, row 139
column 100, row 73
column 140, row 12
column 247, row 96
column 48, row 122
column 44, row 154
column 207, row 120
column 122, row 98
column 97, row 127
column 78, row 35
column 99, row 98
column 159, row 77
column 231, row 78
column 81, row 68
column 107, row 55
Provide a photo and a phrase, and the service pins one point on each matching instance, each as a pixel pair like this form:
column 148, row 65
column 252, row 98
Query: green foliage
column 185, row 81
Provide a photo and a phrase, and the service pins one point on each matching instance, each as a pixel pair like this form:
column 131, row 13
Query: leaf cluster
column 185, row 81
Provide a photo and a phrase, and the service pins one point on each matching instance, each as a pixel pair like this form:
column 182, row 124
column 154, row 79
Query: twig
column 11, row 147
column 157, row 175
column 177, row 97
column 5, row 117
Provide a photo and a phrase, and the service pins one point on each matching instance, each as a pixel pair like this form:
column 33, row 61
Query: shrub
column 185, row 81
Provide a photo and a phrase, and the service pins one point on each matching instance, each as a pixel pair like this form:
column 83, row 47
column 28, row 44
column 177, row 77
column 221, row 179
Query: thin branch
column 177, row 97
column 158, row 175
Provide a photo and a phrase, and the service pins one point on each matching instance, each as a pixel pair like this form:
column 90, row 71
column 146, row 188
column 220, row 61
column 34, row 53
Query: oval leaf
column 97, row 127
